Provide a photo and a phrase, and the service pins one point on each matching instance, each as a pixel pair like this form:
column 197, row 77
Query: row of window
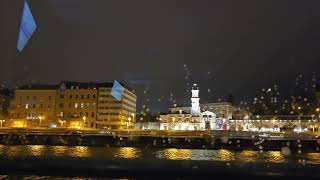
column 78, row 105
column 27, row 106
column 108, row 119
column 62, row 96
column 109, row 114
column 100, row 108
column 109, row 102
column 27, row 115
column 76, row 115
column 32, row 97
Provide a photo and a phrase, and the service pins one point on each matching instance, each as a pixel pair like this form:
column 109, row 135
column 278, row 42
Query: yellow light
column 299, row 107
column 318, row 109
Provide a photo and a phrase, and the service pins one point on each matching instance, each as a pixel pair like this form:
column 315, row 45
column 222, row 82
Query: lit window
column 27, row 106
column 82, row 105
column 76, row 105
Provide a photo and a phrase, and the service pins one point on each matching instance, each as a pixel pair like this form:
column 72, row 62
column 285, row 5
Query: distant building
column 198, row 116
column 115, row 114
column 77, row 105
column 33, row 106
column 221, row 109
column 72, row 105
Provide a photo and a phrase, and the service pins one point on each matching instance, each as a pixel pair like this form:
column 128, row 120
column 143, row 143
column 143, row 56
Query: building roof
column 88, row 85
column 204, row 104
column 70, row 85
column 37, row 87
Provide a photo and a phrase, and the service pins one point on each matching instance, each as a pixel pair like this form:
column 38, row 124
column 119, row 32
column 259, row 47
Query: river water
column 155, row 154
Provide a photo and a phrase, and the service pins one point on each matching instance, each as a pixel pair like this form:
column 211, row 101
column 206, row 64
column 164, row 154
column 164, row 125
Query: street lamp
column 1, row 121
column 84, row 120
column 40, row 121
column 128, row 124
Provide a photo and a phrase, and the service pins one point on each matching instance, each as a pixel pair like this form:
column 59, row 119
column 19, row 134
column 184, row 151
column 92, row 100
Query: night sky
column 158, row 46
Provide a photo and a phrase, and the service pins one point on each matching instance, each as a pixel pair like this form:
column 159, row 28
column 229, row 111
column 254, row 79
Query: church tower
column 195, row 105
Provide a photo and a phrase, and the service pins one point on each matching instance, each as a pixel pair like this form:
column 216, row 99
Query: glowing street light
column 2, row 121
column 84, row 120
column 40, row 118
column 129, row 121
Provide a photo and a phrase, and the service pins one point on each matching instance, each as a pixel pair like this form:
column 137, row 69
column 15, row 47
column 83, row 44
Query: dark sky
column 227, row 46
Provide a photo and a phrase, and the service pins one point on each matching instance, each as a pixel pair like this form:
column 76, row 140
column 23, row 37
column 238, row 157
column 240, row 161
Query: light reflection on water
column 36, row 150
column 248, row 156
column 59, row 150
column 79, row 151
column 313, row 158
column 174, row 154
column 224, row 155
column 153, row 154
column 128, row 153
column 275, row 157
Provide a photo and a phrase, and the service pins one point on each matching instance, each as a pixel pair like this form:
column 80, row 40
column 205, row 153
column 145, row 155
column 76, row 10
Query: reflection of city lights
column 313, row 157
column 59, row 150
column 79, row 151
column 224, row 155
column 177, row 154
column 128, row 153
column 275, row 157
column 248, row 156
column 36, row 150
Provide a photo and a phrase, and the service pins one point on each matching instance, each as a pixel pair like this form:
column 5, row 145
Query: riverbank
column 198, row 140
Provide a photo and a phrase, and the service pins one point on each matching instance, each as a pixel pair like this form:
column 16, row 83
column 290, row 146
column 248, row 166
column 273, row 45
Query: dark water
column 150, row 154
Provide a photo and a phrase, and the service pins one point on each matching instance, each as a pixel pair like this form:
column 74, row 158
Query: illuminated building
column 221, row 109
column 116, row 113
column 33, row 106
column 73, row 105
column 198, row 116
column 195, row 105
column 77, row 105
column 91, row 105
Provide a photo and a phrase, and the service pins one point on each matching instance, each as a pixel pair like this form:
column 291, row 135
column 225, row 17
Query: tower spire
column 195, row 105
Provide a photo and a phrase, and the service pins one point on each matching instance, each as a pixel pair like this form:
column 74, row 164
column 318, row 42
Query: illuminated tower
column 195, row 105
